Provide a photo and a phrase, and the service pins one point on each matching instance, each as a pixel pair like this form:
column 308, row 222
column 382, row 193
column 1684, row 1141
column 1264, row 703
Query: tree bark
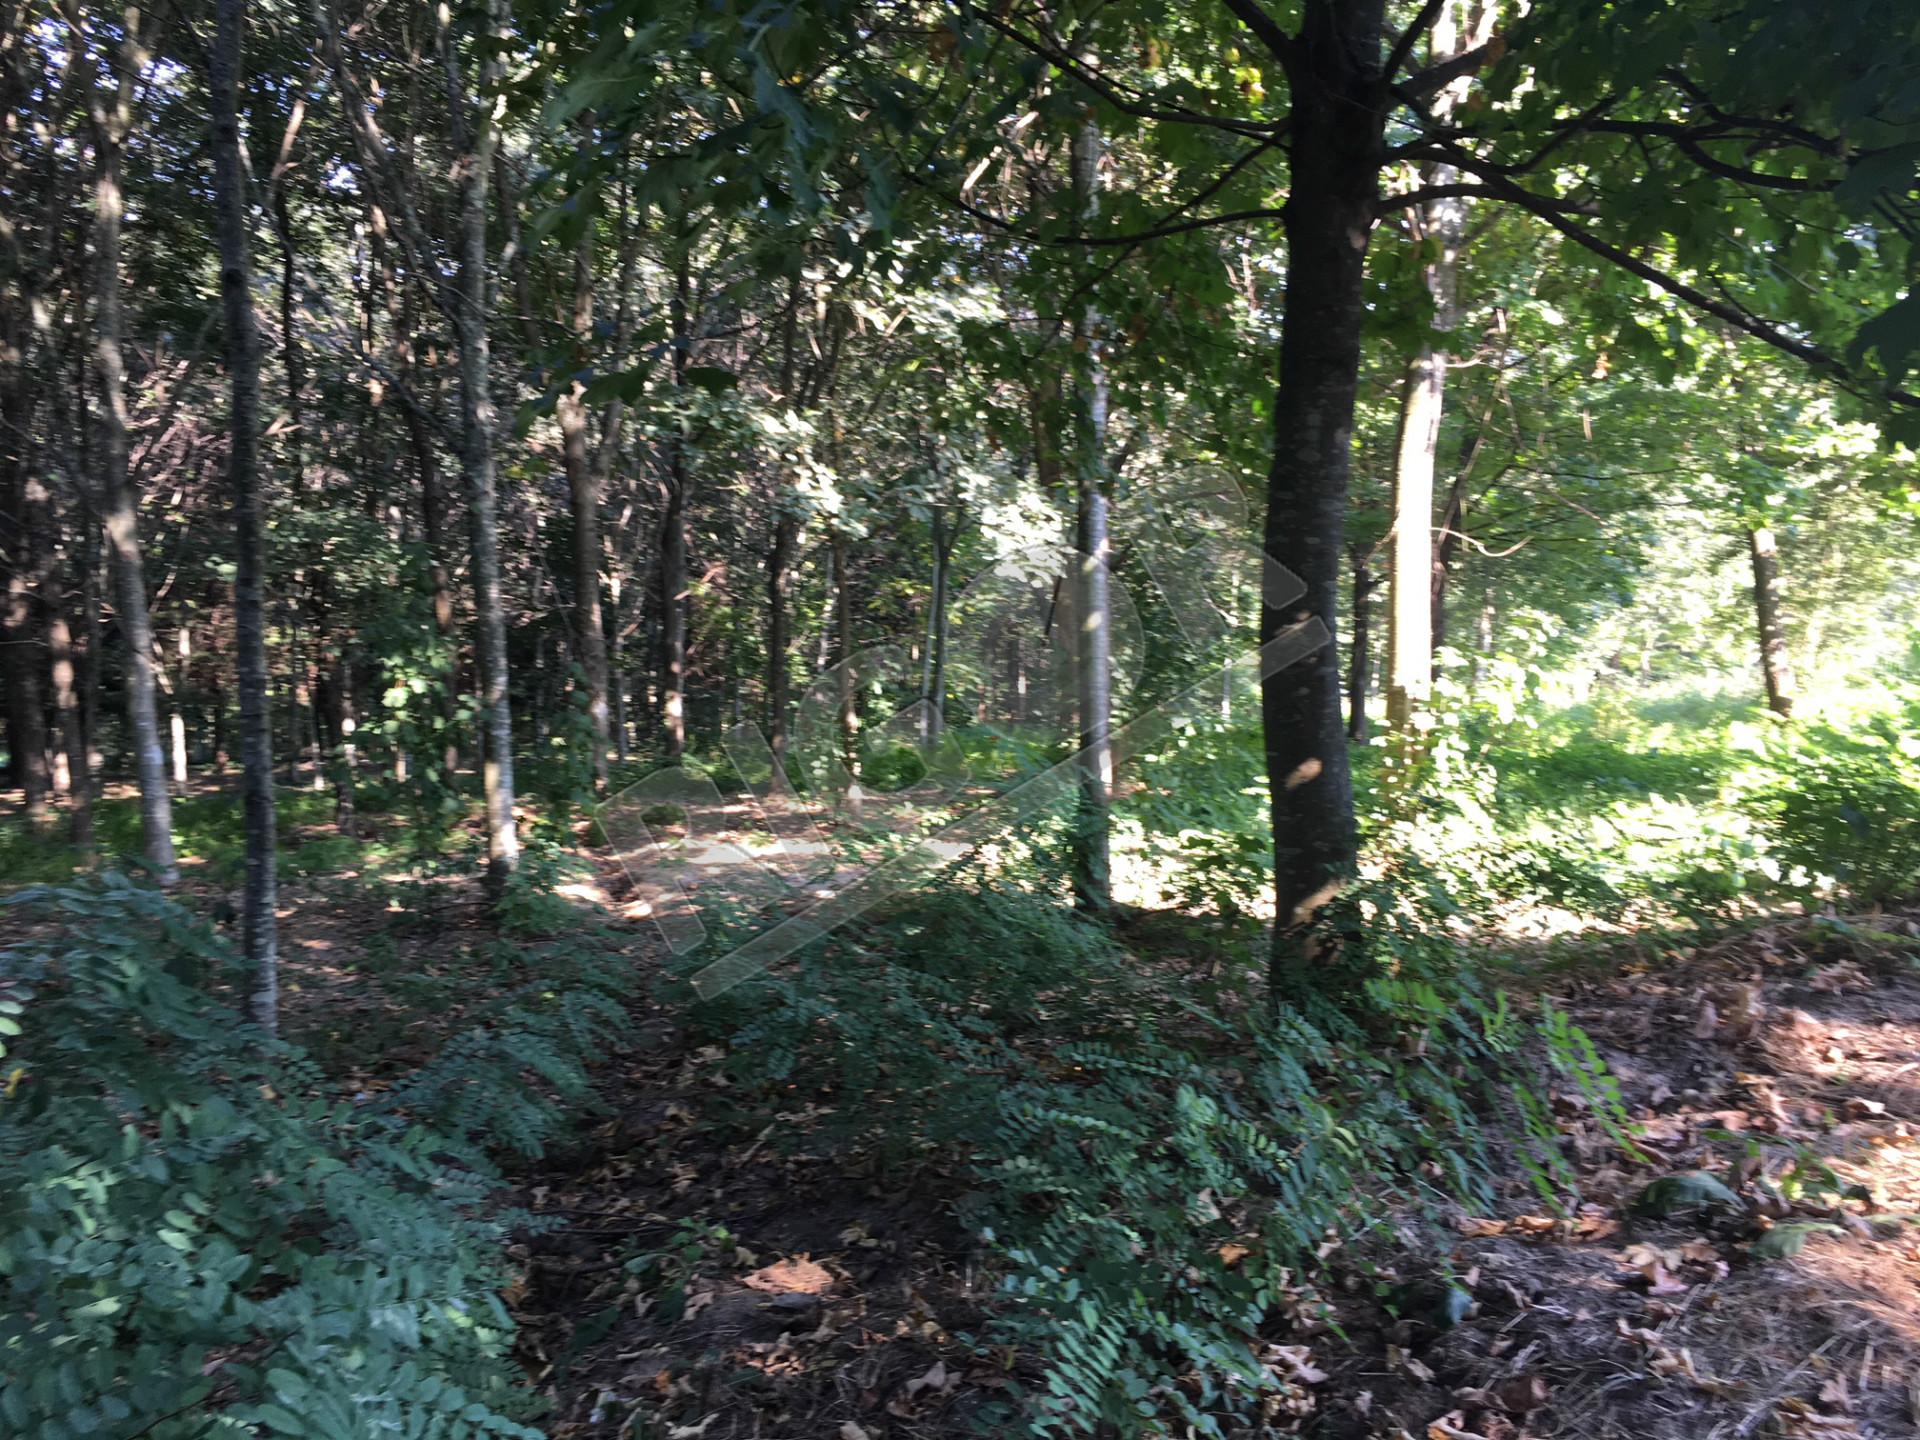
column 673, row 541
column 475, row 139
column 120, row 506
column 849, row 696
column 583, row 496
column 1093, row 609
column 66, row 701
column 1339, row 116
column 22, row 510
column 1776, row 666
column 1442, row 224
column 259, row 924
column 944, row 537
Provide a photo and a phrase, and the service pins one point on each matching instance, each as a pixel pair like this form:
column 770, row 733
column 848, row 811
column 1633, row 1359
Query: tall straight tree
column 475, row 137
column 259, row 926
column 111, row 114
column 1439, row 227
column 1093, row 608
column 583, row 501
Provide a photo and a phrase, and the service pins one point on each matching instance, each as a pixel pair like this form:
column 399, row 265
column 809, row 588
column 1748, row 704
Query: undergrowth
column 198, row 1239
column 1154, row 1178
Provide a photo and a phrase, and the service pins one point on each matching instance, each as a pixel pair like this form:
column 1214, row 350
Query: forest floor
column 818, row 1295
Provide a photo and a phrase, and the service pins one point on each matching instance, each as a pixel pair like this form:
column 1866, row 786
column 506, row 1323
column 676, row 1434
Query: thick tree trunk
column 1776, row 667
column 1338, row 124
column 475, row 139
column 1093, row 609
column 120, row 504
column 1360, row 659
column 259, row 925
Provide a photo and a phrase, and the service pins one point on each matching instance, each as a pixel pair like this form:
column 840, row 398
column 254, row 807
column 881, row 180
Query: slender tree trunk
column 673, row 542
column 583, row 494
column 66, row 700
column 475, row 141
column 120, row 508
column 260, row 927
column 1442, row 224
column 1339, row 120
column 177, row 710
column 786, row 538
column 1776, row 666
column 937, row 625
column 849, row 691
column 1446, row 549
column 1360, row 661
column 22, row 509
column 1093, row 610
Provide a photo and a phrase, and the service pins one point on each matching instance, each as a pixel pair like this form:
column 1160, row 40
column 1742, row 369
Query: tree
column 260, row 926
column 111, row 113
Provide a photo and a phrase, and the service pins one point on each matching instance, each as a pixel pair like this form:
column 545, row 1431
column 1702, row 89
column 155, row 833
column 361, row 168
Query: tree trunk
column 177, row 710
column 849, row 691
column 1360, row 661
column 1441, row 223
column 1776, row 667
column 936, row 697
column 583, row 496
column 120, row 507
column 786, row 537
column 474, row 149
column 1446, row 549
column 673, row 544
column 260, row 926
column 66, row 701
column 1338, row 123
column 1093, row 609
column 22, row 508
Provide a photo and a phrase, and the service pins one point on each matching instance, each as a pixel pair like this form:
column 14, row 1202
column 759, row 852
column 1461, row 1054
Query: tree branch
column 1403, row 47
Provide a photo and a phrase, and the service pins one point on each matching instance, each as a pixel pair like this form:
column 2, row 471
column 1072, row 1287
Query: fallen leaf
column 1295, row 1363
column 851, row 1431
column 1707, row 1023
column 1452, row 1426
column 939, row 1380
column 1413, row 1367
column 798, row 1276
column 1232, row 1255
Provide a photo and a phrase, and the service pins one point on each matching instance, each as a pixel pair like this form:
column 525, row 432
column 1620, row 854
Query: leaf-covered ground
column 676, row 1283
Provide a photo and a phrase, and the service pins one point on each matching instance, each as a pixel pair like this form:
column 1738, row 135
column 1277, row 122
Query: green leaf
column 1785, row 1241
column 1894, row 333
column 1683, row 1193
